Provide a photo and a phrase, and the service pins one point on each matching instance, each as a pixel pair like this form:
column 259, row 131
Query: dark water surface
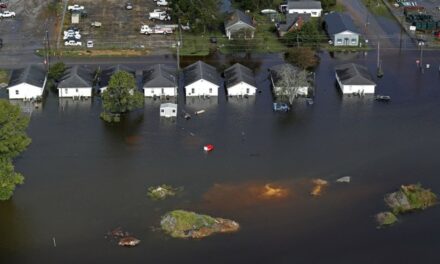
column 84, row 177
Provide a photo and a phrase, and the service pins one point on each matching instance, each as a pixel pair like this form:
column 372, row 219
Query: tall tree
column 120, row 96
column 290, row 80
column 304, row 57
column 200, row 14
column 13, row 140
column 255, row 5
column 307, row 35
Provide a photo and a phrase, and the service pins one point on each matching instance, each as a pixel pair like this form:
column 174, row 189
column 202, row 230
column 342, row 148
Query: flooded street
column 85, row 177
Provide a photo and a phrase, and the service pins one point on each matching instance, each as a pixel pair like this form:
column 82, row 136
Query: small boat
column 383, row 98
column 208, row 148
column 268, row 11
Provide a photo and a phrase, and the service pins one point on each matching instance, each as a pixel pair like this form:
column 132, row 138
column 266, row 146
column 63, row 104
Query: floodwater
column 84, row 177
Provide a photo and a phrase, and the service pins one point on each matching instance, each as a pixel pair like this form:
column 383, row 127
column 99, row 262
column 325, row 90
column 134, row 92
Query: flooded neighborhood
column 251, row 132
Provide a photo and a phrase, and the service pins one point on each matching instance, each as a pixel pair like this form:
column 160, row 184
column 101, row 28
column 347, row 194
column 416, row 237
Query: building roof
column 200, row 70
column 353, row 74
column 168, row 105
column 159, row 75
column 238, row 16
column 238, row 73
column 307, row 4
column 106, row 74
column 291, row 19
column 77, row 77
column 338, row 22
column 32, row 74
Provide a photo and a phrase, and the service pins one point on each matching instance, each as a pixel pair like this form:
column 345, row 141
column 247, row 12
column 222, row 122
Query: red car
column 437, row 35
column 3, row 5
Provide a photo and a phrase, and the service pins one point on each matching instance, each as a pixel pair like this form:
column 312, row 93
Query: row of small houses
column 200, row 79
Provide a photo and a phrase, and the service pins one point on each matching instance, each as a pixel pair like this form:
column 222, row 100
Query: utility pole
column 421, row 44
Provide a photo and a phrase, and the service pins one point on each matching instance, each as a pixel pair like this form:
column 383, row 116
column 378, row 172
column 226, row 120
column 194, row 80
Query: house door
column 346, row 42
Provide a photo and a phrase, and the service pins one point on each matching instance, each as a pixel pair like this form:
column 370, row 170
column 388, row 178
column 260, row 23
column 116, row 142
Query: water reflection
column 28, row 107
column 68, row 104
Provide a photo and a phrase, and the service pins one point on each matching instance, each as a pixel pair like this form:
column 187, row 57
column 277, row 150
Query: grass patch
column 196, row 44
column 377, row 7
column 4, row 76
column 332, row 48
column 337, row 8
column 97, row 53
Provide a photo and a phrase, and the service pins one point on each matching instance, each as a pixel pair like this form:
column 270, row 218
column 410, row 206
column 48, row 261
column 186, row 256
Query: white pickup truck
column 7, row 14
column 147, row 30
column 159, row 15
column 161, row 2
column 75, row 8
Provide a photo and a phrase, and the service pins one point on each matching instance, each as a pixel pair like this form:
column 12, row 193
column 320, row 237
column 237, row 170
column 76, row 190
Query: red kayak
column 208, row 148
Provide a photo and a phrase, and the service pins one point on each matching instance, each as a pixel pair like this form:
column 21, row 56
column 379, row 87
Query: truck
column 161, row 2
column 159, row 14
column 96, row 24
column 147, row 30
column 75, row 8
column 7, row 14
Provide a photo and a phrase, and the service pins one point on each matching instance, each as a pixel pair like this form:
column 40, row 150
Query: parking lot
column 120, row 27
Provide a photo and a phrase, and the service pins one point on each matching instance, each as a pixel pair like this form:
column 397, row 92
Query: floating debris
column 274, row 192
column 199, row 112
column 345, row 179
column 128, row 241
column 208, row 148
column 124, row 238
column 162, row 192
column 409, row 198
column 319, row 185
column 385, row 219
column 185, row 224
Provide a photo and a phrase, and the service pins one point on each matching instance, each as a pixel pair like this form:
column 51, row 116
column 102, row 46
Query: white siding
column 355, row 89
column 160, row 91
column 25, row 91
column 75, row 92
column 346, row 38
column 201, row 88
column 242, row 88
column 312, row 12
column 168, row 111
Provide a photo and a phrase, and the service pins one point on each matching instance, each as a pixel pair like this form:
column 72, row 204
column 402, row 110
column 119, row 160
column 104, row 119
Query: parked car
column 281, row 107
column 161, row 2
column 129, row 6
column 437, row 35
column 96, row 24
column 73, row 43
column 90, row 44
column 75, row 8
column 159, row 14
column 7, row 14
column 147, row 30
column 3, row 5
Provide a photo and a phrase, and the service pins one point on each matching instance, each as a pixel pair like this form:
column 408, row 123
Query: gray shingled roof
column 159, row 75
column 106, row 74
column 339, row 22
column 292, row 19
column 238, row 73
column 77, row 77
column 200, row 70
column 32, row 74
column 295, row 4
column 354, row 74
column 237, row 16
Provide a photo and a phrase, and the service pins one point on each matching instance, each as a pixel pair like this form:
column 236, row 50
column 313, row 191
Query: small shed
column 160, row 80
column 314, row 8
column 168, row 110
column 77, row 82
column 354, row 79
column 27, row 83
column 201, row 79
column 239, row 25
column 239, row 80
column 341, row 29
column 75, row 17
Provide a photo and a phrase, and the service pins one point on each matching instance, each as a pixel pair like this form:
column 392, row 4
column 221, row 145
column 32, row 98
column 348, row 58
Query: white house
column 239, row 80
column 160, row 80
column 354, row 79
column 275, row 76
column 168, row 110
column 27, row 83
column 341, row 29
column 77, row 82
column 201, row 79
column 239, row 25
column 311, row 7
column 107, row 74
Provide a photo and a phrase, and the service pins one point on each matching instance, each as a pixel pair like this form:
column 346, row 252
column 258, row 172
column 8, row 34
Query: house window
column 339, row 41
column 17, row 92
column 76, row 90
column 210, row 90
column 247, row 90
column 162, row 110
column 66, row 91
column 152, row 91
column 353, row 41
column 193, row 90
column 162, row 91
column 314, row 13
column 174, row 111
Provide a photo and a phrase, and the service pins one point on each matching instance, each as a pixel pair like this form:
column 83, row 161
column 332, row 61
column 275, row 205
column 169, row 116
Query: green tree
column 327, row 4
column 307, row 35
column 303, row 57
column 56, row 71
column 202, row 15
column 256, row 5
column 121, row 96
column 291, row 79
column 13, row 141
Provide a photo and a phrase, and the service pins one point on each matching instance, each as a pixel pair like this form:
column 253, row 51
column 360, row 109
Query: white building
column 239, row 81
column 354, row 79
column 160, row 80
column 341, row 29
column 76, row 83
column 275, row 77
column 107, row 74
column 168, row 110
column 27, row 83
column 313, row 8
column 201, row 79
column 238, row 25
